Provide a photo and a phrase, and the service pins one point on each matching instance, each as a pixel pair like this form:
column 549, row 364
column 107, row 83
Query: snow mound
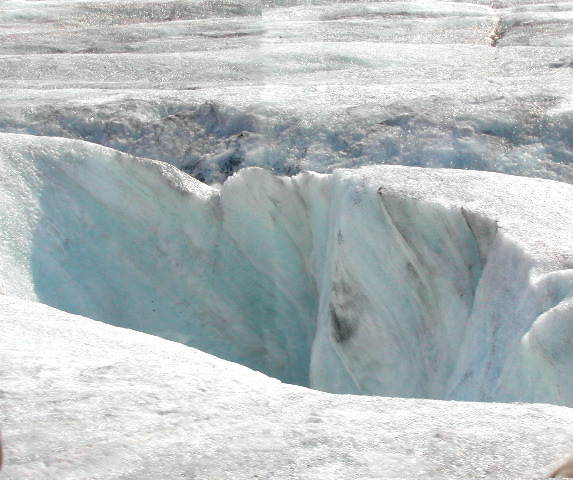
column 385, row 280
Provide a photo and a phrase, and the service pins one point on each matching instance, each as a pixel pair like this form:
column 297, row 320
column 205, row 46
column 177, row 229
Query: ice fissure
column 384, row 280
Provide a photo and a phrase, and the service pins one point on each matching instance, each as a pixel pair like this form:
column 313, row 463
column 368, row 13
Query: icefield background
column 333, row 265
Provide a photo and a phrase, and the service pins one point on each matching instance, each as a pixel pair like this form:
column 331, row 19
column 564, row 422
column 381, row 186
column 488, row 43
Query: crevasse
column 384, row 280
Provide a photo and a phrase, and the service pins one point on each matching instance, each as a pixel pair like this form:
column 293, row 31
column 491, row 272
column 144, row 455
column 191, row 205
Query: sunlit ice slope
column 384, row 280
column 86, row 401
column 213, row 87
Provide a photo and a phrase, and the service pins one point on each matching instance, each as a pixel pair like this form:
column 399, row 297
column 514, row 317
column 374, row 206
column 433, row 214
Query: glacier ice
column 287, row 86
column 382, row 280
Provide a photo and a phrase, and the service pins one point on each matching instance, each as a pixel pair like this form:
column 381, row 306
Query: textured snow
column 335, row 265
column 215, row 87
column 84, row 400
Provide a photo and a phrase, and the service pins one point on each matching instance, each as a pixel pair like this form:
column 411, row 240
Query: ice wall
column 383, row 280
column 211, row 136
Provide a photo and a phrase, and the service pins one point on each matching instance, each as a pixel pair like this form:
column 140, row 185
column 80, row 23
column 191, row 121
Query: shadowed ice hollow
column 385, row 280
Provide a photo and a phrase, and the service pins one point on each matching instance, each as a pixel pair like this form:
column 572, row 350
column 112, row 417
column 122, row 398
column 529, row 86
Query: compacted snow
column 333, row 264
column 85, row 400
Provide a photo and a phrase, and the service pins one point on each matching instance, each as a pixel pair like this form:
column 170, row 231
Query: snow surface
column 374, row 279
column 213, row 87
column 84, row 400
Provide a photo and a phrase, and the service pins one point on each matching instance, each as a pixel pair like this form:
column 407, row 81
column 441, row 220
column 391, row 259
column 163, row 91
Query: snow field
column 84, row 400
column 213, row 88
column 376, row 280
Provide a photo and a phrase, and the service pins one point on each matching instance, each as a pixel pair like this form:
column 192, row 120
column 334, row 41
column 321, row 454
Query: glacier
column 384, row 280
column 244, row 178
column 290, row 86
